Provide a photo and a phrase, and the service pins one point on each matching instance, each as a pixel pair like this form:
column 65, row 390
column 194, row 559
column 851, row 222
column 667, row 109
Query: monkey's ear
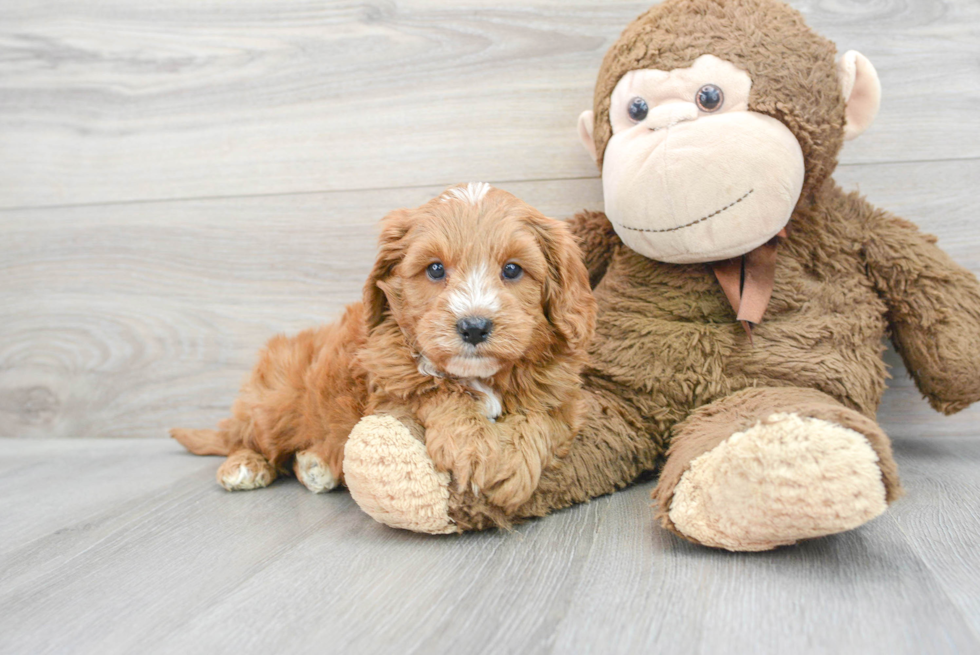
column 586, row 123
column 862, row 92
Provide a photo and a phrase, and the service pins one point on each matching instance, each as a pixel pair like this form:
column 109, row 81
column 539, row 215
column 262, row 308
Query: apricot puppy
column 472, row 332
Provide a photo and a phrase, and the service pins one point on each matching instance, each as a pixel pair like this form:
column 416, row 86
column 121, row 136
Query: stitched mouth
column 700, row 220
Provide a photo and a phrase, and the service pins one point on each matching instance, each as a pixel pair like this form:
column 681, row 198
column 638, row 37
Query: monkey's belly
column 671, row 334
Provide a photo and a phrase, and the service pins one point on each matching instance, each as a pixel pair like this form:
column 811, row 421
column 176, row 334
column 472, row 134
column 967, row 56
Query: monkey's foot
column 391, row 477
column 785, row 479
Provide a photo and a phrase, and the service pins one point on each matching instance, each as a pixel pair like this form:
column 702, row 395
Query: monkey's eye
column 638, row 109
column 435, row 271
column 709, row 98
column 511, row 271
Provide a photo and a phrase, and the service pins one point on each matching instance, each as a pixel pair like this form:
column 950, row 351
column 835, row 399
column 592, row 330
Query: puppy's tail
column 201, row 442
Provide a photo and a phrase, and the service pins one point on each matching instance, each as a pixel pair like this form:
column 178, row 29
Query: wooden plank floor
column 180, row 180
column 126, row 546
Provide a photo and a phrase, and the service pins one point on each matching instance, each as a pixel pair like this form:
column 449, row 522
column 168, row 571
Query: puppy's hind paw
column 313, row 472
column 390, row 476
column 245, row 470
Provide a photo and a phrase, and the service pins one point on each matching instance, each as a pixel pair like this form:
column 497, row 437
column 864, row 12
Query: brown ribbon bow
column 748, row 281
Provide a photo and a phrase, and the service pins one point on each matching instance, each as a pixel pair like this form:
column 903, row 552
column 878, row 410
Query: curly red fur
column 399, row 352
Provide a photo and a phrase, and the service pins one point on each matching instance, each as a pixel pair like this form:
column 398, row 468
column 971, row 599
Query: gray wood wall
column 180, row 180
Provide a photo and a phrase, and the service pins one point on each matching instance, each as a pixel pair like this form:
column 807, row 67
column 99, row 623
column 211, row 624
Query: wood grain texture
column 180, row 180
column 162, row 560
column 124, row 320
column 116, row 100
column 940, row 517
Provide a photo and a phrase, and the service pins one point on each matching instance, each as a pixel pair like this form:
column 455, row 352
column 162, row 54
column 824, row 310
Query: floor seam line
column 277, row 194
column 368, row 189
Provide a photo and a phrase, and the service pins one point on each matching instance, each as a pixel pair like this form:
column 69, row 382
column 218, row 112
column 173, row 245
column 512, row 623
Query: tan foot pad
column 392, row 479
column 783, row 480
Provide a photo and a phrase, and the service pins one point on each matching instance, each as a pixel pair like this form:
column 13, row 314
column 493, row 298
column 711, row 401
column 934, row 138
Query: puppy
column 472, row 332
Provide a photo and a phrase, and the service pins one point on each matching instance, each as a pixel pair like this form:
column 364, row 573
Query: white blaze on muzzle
column 476, row 294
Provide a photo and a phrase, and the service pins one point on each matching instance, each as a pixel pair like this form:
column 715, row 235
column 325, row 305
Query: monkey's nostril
column 474, row 330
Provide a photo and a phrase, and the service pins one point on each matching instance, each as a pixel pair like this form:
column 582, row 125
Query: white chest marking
column 492, row 405
column 491, row 401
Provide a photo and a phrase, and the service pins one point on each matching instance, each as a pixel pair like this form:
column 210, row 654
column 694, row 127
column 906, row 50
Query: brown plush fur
column 711, row 424
column 670, row 365
column 399, row 353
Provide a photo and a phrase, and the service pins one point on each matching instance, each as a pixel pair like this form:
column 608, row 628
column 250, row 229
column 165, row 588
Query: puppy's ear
column 568, row 301
column 391, row 249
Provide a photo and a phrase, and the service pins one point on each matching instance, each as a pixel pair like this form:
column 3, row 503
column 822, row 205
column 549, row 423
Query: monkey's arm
column 399, row 410
column 933, row 309
column 598, row 240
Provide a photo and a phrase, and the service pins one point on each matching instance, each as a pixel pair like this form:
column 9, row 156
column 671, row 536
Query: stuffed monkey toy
column 743, row 297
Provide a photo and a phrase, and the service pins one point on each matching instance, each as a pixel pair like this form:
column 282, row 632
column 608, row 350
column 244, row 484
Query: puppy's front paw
column 502, row 472
column 469, row 463
column 390, row 476
column 515, row 486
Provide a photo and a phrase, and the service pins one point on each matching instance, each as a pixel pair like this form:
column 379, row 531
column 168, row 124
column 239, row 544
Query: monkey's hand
column 598, row 240
column 933, row 308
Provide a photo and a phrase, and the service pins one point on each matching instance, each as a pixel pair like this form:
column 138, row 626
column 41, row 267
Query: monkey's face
column 690, row 174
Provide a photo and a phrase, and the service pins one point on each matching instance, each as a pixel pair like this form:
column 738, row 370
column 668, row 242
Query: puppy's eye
column 638, row 109
column 709, row 98
column 435, row 271
column 511, row 271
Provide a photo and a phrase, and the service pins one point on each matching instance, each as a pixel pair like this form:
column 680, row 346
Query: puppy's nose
column 474, row 330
